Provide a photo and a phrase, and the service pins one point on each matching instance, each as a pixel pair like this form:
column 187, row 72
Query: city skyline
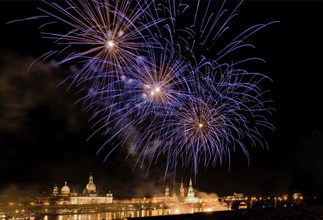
column 44, row 135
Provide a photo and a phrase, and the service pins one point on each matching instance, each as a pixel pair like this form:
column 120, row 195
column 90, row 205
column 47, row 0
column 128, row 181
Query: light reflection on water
column 105, row 215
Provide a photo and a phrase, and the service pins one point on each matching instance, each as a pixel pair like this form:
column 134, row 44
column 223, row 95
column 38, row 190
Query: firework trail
column 155, row 83
column 102, row 36
column 148, row 92
column 204, row 33
column 221, row 112
column 163, row 79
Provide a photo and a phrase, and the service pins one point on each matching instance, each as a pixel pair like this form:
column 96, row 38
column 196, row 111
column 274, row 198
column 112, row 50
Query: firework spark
column 164, row 84
column 103, row 36
column 221, row 112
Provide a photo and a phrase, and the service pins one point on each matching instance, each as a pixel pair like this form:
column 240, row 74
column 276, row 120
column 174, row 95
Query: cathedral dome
column 90, row 187
column 65, row 189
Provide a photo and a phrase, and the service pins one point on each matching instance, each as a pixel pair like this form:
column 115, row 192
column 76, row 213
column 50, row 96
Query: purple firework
column 101, row 36
column 163, row 87
column 221, row 111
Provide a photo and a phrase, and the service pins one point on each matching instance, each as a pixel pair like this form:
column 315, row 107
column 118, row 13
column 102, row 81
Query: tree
column 307, row 163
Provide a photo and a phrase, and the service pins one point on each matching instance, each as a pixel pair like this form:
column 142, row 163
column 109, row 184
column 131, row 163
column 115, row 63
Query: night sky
column 43, row 133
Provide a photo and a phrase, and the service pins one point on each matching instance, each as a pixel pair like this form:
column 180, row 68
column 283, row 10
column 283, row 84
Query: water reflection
column 105, row 215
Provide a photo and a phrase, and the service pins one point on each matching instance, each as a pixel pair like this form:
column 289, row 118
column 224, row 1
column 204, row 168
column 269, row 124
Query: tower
column 91, row 178
column 181, row 192
column 90, row 187
column 181, row 189
column 190, row 191
column 167, row 191
column 55, row 190
column 190, row 198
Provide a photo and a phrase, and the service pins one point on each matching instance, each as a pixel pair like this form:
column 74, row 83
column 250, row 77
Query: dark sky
column 44, row 135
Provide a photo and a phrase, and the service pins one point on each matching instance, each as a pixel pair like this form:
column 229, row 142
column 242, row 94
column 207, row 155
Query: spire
column 190, row 191
column 190, row 198
column 55, row 190
column 91, row 178
column 167, row 191
column 181, row 190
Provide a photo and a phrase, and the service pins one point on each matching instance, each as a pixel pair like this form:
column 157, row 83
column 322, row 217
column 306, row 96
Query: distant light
column 157, row 89
column 200, row 125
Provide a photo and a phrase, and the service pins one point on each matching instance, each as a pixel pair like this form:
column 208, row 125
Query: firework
column 103, row 37
column 205, row 33
column 162, row 84
column 221, row 112
column 155, row 83
column 148, row 92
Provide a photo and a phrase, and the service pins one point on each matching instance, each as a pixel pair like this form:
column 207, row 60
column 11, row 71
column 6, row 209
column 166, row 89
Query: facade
column 190, row 198
column 236, row 197
column 81, row 200
column 55, row 191
column 168, row 198
column 89, row 195
column 181, row 193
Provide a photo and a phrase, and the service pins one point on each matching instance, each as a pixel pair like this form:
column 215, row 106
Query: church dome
column 90, row 187
column 65, row 189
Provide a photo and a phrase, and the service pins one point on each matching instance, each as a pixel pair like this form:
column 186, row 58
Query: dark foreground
column 297, row 213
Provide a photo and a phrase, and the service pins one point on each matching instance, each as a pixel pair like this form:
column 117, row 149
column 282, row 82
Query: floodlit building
column 167, row 197
column 55, row 190
column 236, row 197
column 181, row 192
column 190, row 198
column 89, row 195
column 163, row 198
column 65, row 191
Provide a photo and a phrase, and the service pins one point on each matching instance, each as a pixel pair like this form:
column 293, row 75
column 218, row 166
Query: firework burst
column 155, row 83
column 220, row 112
column 103, row 37
column 163, row 84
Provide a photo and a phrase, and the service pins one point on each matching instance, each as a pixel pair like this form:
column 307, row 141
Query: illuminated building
column 89, row 195
column 237, row 201
column 167, row 191
column 167, row 198
column 55, row 190
column 164, row 198
column 65, row 191
column 190, row 198
column 181, row 193
column 236, row 197
column 62, row 197
column 80, row 200
column 90, row 188
column 297, row 197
